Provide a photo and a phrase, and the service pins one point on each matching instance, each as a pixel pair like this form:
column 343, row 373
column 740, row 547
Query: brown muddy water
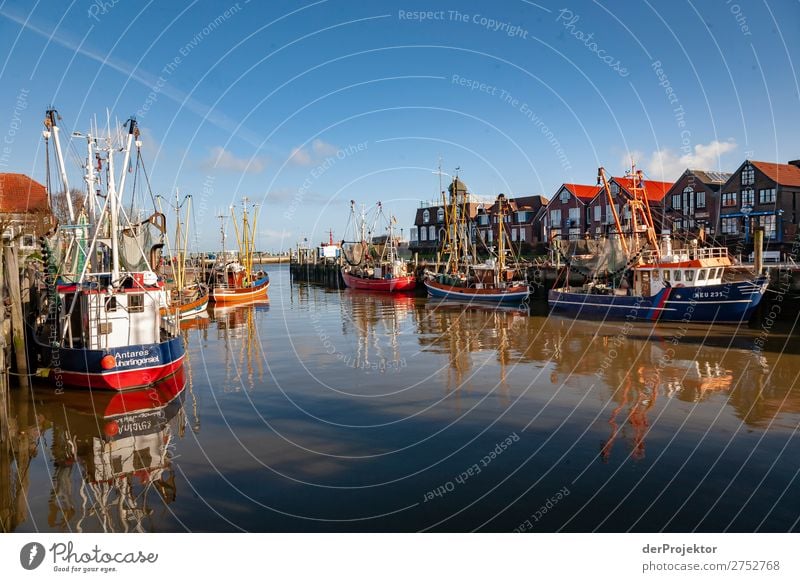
column 344, row 411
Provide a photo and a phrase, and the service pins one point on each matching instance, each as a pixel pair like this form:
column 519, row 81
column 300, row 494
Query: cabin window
column 688, row 274
column 677, row 275
column 136, row 303
column 111, row 304
column 719, row 273
column 655, row 274
column 701, row 275
column 666, row 276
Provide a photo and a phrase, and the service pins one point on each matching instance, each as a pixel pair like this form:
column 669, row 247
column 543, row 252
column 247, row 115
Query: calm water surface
column 344, row 411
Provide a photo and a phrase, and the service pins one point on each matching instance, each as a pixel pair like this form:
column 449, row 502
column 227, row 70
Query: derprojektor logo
column 31, row 555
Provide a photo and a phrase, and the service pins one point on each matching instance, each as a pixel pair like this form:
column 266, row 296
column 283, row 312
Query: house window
column 521, row 234
column 413, row 232
column 676, row 201
column 766, row 196
column 136, row 303
column 688, row 199
column 748, row 175
column 522, row 217
column 423, row 233
column 555, row 218
column 614, row 188
column 574, row 216
column 564, row 195
column 431, row 232
column 426, row 216
column 768, row 222
column 748, row 197
column 730, row 226
column 513, row 235
column 491, row 235
column 729, row 199
column 701, row 199
column 440, row 215
column 598, row 213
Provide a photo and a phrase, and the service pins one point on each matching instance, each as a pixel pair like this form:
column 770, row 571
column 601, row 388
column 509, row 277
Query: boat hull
column 515, row 294
column 222, row 295
column 135, row 366
column 394, row 285
column 725, row 303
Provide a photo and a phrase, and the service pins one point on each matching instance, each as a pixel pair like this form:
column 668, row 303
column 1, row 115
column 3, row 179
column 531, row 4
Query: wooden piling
column 18, row 338
column 4, row 401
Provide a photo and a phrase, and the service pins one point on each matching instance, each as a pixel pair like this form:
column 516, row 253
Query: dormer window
column 440, row 215
column 748, row 175
column 564, row 195
column 614, row 188
column 426, row 216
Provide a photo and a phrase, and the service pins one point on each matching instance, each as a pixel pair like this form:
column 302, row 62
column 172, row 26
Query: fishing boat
column 373, row 263
column 188, row 299
column 101, row 327
column 464, row 279
column 658, row 282
column 233, row 279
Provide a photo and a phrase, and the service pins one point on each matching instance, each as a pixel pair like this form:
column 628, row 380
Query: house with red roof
column 24, row 209
column 600, row 218
column 761, row 194
column 565, row 215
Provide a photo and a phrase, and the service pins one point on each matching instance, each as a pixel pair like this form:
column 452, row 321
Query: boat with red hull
column 99, row 323
column 389, row 285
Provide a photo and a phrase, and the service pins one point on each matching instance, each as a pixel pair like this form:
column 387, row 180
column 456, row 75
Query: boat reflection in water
column 377, row 321
column 111, row 455
column 237, row 331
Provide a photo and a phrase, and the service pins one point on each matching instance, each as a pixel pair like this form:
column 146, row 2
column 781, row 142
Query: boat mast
column 133, row 131
column 51, row 123
column 501, row 248
column 113, row 214
column 601, row 179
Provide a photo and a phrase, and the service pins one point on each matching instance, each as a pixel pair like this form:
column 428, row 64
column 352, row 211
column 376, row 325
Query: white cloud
column 305, row 157
column 668, row 165
column 222, row 159
column 322, row 148
column 300, row 157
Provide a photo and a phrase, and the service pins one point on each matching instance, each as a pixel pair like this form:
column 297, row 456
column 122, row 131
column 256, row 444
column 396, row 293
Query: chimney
column 794, row 163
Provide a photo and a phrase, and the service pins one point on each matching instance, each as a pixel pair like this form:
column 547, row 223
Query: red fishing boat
column 373, row 263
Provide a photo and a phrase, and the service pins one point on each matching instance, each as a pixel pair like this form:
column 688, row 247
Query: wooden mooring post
column 18, row 337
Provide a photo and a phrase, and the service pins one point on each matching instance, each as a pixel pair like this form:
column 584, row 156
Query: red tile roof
column 582, row 191
column 19, row 193
column 655, row 191
column 783, row 174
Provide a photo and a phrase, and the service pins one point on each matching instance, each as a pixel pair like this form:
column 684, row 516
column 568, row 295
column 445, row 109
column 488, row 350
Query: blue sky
column 305, row 106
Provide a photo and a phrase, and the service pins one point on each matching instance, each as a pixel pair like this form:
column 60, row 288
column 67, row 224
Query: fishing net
column 135, row 243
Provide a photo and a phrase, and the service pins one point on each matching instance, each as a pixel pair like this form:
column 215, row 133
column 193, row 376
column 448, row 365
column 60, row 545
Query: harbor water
column 326, row 410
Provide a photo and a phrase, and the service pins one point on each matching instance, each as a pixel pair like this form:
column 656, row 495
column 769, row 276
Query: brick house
column 24, row 209
column 762, row 194
column 522, row 222
column 693, row 201
column 564, row 216
column 428, row 231
column 656, row 193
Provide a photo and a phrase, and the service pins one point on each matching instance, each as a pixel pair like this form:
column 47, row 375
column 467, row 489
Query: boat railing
column 687, row 254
